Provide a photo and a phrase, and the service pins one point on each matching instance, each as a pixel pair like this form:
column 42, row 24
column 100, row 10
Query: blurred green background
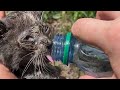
column 63, row 20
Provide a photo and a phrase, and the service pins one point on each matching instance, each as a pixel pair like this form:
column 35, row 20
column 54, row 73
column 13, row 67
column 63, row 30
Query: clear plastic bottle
column 88, row 58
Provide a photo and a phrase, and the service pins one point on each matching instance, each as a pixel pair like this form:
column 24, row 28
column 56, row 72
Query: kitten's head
column 37, row 39
column 33, row 37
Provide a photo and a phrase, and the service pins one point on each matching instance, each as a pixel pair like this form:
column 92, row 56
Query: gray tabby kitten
column 25, row 42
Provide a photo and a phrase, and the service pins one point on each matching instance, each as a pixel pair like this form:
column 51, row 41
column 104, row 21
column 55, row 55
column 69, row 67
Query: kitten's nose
column 49, row 46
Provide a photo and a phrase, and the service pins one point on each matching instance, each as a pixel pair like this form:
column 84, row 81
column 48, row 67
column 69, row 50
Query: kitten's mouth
column 50, row 58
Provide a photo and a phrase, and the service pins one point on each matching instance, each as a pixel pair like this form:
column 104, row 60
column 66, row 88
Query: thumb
column 91, row 31
column 91, row 77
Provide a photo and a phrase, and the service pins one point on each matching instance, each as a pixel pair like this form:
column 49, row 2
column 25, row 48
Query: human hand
column 5, row 73
column 103, row 32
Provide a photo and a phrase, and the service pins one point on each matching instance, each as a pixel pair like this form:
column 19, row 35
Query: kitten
column 25, row 42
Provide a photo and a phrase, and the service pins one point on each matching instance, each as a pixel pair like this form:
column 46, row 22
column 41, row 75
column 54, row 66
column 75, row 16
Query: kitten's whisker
column 27, row 66
column 36, row 65
column 35, row 68
column 41, row 59
column 23, row 57
column 45, row 66
column 39, row 65
column 42, row 64
column 39, row 71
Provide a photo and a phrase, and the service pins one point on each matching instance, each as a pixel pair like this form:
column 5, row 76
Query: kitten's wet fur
column 24, row 43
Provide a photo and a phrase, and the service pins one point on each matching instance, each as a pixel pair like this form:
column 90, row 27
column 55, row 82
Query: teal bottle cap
column 66, row 48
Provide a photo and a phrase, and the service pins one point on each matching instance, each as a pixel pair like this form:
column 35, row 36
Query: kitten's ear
column 39, row 14
column 3, row 28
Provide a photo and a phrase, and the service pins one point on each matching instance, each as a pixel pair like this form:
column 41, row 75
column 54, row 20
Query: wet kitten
column 24, row 43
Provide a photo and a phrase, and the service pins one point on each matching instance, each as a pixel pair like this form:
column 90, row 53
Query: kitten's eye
column 46, row 30
column 29, row 38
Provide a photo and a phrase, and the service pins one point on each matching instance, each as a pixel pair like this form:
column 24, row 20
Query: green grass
column 65, row 19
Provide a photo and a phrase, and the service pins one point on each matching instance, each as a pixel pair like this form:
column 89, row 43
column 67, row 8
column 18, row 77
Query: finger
column 91, row 77
column 91, row 31
column 107, row 15
column 113, row 77
column 2, row 14
column 87, row 77
column 5, row 73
